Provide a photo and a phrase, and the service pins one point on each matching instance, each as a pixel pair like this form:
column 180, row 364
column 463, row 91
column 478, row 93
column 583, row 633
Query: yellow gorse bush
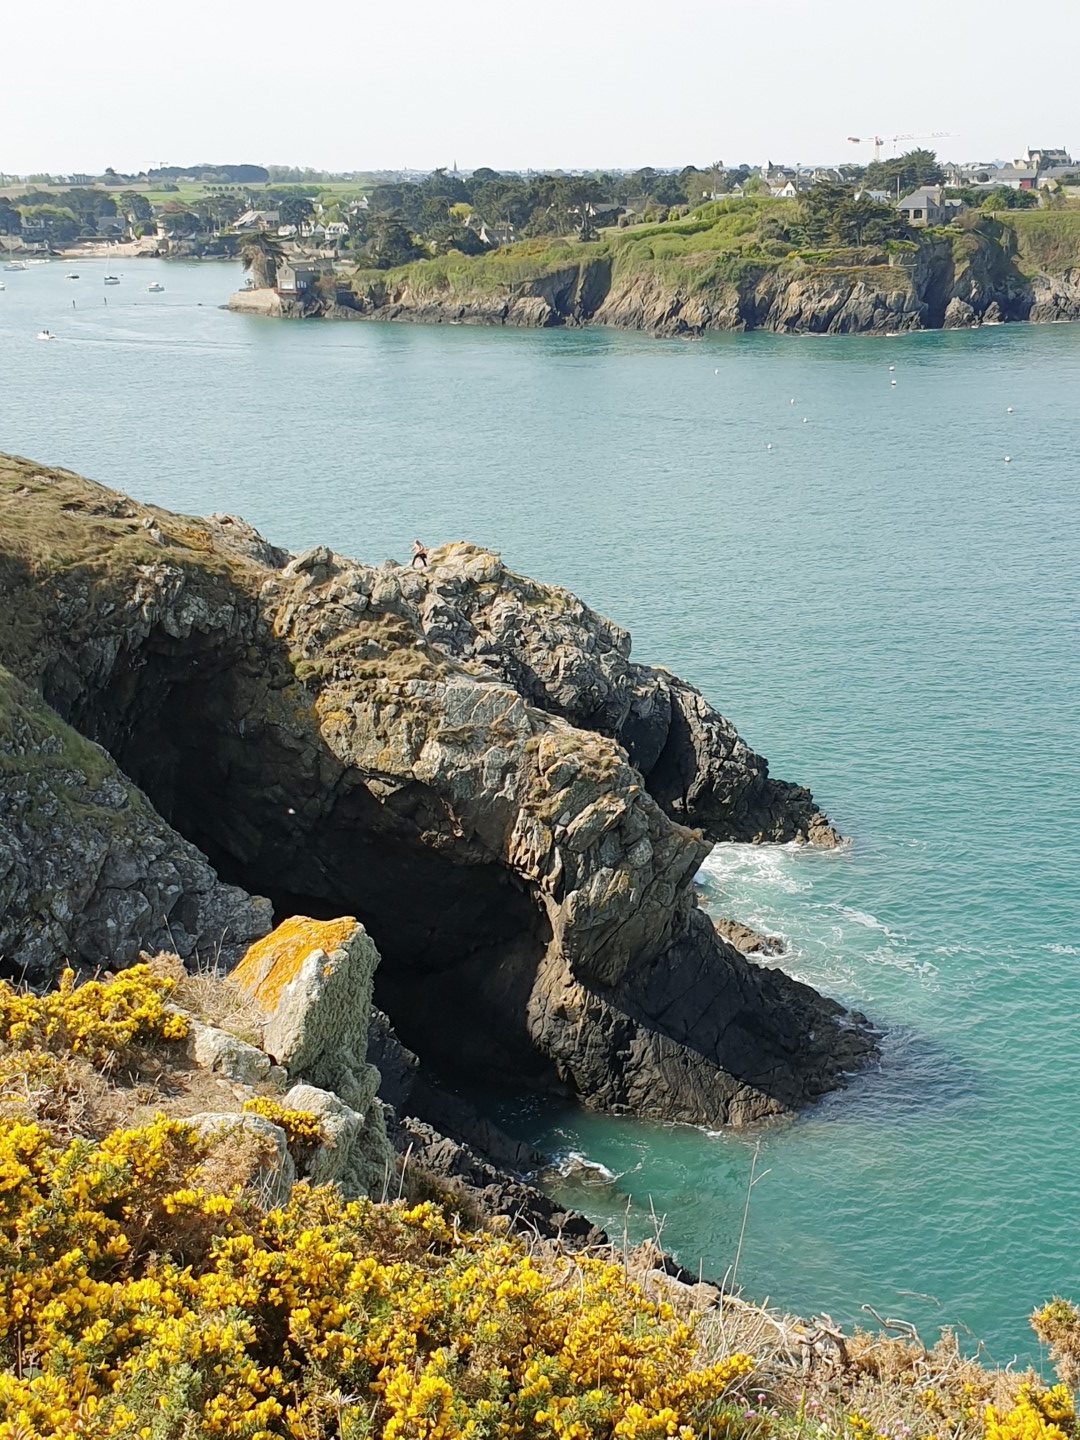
column 303, row 1130
column 136, row 1305
column 1037, row 1415
column 95, row 1020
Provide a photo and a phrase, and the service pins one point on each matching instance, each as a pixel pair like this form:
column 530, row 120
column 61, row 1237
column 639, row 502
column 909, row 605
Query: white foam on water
column 870, row 922
column 1062, row 949
column 828, row 943
column 729, row 865
column 572, row 1162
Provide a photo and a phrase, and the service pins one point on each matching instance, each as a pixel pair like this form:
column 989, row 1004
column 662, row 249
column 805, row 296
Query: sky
column 570, row 84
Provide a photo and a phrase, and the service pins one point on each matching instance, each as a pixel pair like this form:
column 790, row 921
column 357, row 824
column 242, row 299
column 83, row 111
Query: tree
column 1004, row 197
column 669, row 191
column 179, row 221
column 585, row 195
column 139, row 209
column 295, row 210
column 831, row 215
column 57, row 223
column 261, row 253
column 909, row 171
column 455, row 236
column 10, row 219
column 391, row 243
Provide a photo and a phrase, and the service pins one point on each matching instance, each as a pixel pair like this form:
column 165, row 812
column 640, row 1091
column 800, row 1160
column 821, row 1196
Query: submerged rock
column 468, row 760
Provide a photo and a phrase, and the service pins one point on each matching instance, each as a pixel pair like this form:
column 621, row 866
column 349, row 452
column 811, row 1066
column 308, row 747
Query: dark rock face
column 89, row 872
column 466, row 760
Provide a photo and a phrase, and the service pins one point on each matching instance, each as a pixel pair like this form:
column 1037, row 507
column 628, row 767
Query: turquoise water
column 885, row 608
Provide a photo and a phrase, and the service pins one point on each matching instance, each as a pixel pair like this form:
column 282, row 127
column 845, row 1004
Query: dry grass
column 212, row 997
column 810, row 1374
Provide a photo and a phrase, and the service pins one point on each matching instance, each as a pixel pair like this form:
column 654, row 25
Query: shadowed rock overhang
column 466, row 759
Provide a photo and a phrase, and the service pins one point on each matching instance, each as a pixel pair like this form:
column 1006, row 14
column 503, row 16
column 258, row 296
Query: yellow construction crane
column 877, row 141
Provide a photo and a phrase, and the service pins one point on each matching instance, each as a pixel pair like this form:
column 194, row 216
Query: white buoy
column 1008, row 409
column 1008, row 459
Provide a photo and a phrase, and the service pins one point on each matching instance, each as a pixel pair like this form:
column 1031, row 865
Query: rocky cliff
column 467, row 760
column 1003, row 271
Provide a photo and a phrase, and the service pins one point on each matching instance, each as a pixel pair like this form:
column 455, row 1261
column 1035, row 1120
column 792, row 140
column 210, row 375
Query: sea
column 866, row 552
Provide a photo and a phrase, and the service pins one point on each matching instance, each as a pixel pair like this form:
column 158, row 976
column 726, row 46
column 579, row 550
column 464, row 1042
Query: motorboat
column 15, row 265
column 156, row 288
column 112, row 279
column 74, row 275
column 46, row 335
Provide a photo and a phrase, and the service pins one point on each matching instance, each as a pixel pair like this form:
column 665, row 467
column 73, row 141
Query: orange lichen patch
column 275, row 960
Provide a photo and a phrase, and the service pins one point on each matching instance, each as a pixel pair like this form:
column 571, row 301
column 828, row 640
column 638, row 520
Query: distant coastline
column 718, row 271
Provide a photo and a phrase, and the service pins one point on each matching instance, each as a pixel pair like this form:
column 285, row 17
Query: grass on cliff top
column 718, row 241
column 1046, row 240
column 54, row 523
column 52, row 519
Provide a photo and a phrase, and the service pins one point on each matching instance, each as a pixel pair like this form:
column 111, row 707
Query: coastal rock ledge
column 466, row 760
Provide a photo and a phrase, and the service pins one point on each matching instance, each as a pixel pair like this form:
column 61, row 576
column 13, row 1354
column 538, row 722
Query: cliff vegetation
column 825, row 263
column 152, row 1287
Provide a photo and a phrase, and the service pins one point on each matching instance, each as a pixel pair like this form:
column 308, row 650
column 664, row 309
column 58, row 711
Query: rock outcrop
column 467, row 760
column 313, row 982
column 938, row 281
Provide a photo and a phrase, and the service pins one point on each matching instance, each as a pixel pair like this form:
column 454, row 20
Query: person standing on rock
column 419, row 556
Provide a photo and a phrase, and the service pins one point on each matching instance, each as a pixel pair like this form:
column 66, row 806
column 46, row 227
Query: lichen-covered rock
column 355, row 1153
column 313, row 979
column 224, row 1054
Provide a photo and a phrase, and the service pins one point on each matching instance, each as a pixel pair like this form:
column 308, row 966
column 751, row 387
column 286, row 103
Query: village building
column 296, row 277
column 926, row 206
column 258, row 220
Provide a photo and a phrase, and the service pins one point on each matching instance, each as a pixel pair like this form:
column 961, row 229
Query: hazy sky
column 351, row 84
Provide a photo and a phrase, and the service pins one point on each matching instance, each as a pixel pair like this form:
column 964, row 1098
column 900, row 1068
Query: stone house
column 296, row 277
column 926, row 206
